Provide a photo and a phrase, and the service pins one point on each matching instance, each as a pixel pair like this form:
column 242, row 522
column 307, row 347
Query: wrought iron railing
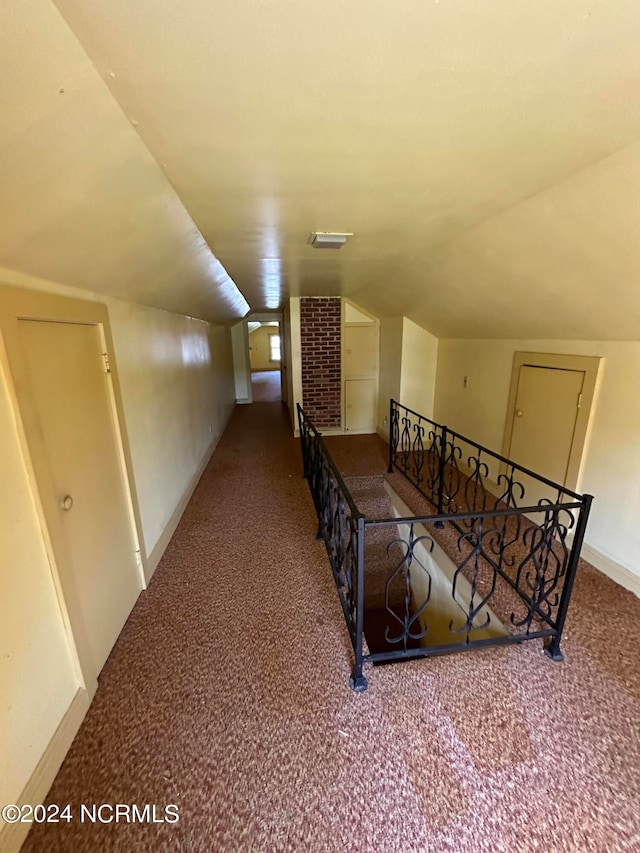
column 509, row 541
column 341, row 527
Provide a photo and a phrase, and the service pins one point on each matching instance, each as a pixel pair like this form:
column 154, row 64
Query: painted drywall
column 418, row 377
column 612, row 453
column 259, row 348
column 294, row 357
column 408, row 358
column 390, row 368
column 38, row 675
column 176, row 378
column 83, row 200
column 353, row 314
column 241, row 364
column 491, row 164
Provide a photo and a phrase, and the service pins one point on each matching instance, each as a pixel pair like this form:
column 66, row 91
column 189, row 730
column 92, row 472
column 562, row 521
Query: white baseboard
column 614, row 570
column 12, row 835
column 152, row 561
column 331, row 433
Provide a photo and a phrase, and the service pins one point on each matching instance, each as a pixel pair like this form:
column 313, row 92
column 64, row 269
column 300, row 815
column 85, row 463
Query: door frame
column 371, row 323
column 589, row 365
column 261, row 317
column 16, row 304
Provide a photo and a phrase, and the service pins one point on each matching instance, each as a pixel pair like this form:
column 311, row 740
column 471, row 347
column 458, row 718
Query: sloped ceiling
column 82, row 201
column 485, row 154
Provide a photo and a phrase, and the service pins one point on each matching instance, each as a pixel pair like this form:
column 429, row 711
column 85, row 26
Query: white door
column 544, row 421
column 71, row 395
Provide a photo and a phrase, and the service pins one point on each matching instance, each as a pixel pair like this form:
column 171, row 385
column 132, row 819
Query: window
column 274, row 347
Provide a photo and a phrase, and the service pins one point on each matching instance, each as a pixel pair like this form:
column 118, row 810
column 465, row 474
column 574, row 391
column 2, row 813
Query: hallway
column 227, row 695
column 265, row 386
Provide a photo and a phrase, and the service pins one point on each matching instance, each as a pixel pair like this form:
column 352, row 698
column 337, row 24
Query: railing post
column 552, row 648
column 303, row 442
column 443, row 456
column 392, row 449
column 357, row 681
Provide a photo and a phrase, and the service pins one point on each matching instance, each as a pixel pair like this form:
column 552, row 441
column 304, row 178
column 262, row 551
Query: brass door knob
column 67, row 503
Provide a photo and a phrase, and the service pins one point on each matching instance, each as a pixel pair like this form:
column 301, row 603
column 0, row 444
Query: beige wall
column 294, row 354
column 176, row 375
column 612, row 455
column 390, row 368
column 419, row 359
column 177, row 387
column 259, row 348
column 241, row 365
column 38, row 676
column 288, row 362
column 408, row 358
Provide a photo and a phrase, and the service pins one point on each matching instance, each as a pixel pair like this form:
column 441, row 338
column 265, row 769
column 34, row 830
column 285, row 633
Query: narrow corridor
column 227, row 695
column 265, row 386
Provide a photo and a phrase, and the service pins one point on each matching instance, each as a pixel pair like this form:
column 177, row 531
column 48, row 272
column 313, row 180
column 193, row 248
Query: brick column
column 320, row 333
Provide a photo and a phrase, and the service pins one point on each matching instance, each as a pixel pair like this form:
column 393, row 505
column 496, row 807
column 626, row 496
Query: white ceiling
column 485, row 154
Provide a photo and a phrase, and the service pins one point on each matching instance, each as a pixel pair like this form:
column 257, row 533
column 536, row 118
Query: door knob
column 519, row 413
column 67, row 503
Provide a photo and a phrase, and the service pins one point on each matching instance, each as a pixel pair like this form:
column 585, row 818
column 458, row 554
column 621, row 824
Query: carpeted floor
column 265, row 386
column 227, row 695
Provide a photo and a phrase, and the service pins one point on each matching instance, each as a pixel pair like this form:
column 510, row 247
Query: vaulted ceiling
column 486, row 155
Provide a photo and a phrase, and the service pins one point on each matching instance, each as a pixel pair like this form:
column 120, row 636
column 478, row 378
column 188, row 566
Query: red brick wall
column 320, row 332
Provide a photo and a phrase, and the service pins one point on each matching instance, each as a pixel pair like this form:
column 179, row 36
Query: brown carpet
column 227, row 695
column 265, row 386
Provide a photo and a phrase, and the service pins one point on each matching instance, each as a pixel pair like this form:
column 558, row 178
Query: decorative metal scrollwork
column 433, row 464
column 512, row 493
column 336, row 523
column 475, row 494
column 418, row 452
column 411, row 612
column 478, row 560
column 405, row 442
column 542, row 570
column 510, row 559
column 452, row 478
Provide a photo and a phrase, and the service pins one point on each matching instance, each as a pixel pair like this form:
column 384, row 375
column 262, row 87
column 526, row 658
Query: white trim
column 329, row 433
column 160, row 547
column 295, row 367
column 12, row 835
column 614, row 570
column 264, row 317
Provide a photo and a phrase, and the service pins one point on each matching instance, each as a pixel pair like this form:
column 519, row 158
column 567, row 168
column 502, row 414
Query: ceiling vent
column 328, row 239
